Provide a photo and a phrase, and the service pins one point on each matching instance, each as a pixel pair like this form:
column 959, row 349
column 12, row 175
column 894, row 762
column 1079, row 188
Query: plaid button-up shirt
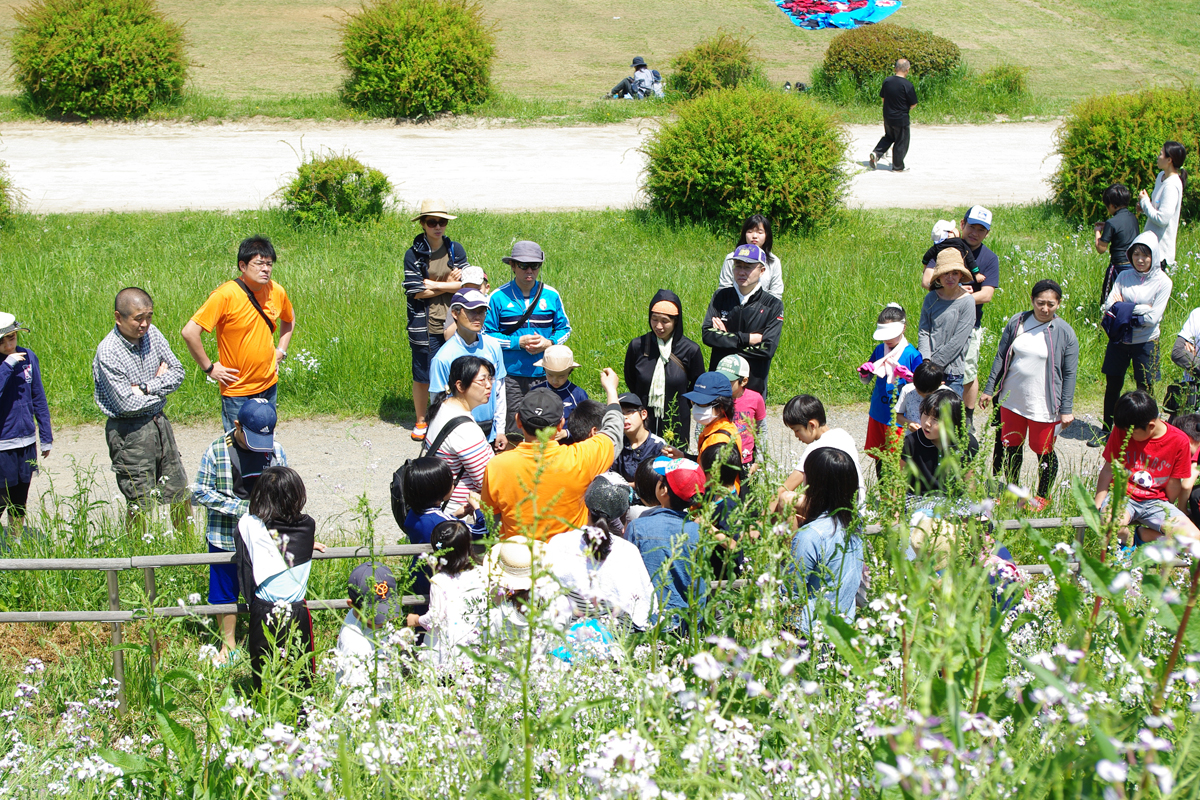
column 213, row 489
column 120, row 365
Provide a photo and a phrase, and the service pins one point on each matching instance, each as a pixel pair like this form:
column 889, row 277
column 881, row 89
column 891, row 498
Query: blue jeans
column 954, row 383
column 230, row 406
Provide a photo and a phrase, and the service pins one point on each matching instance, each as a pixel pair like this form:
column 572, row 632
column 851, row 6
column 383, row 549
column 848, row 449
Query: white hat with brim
column 433, row 208
column 557, row 358
column 510, row 563
column 8, row 324
column 887, row 330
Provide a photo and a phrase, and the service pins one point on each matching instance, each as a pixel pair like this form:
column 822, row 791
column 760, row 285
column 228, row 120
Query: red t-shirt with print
column 1153, row 462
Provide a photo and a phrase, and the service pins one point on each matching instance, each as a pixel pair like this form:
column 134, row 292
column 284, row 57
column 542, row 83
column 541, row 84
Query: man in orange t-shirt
column 536, row 489
column 248, row 359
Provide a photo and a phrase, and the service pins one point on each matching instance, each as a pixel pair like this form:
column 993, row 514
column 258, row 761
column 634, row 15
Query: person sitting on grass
column 1158, row 457
column 374, row 601
column 749, row 408
column 644, row 83
column 669, row 541
column 947, row 318
column 640, row 443
column 559, row 362
column 938, row 455
column 805, row 415
column 890, row 368
column 1190, row 425
column 457, row 596
column 928, row 377
column 275, row 546
column 645, row 487
column 827, row 555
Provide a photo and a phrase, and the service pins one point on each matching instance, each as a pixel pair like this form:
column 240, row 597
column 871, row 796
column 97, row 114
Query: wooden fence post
column 151, row 596
column 114, row 604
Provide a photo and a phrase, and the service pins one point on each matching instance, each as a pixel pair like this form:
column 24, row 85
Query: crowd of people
column 603, row 494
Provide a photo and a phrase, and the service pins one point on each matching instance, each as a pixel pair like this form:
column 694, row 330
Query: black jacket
column 686, row 364
column 762, row 313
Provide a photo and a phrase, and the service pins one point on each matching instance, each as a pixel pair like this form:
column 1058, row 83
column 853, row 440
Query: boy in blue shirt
column 668, row 540
column 558, row 362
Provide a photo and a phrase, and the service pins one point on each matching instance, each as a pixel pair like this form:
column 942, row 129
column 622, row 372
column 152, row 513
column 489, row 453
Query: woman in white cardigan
column 756, row 230
column 1163, row 205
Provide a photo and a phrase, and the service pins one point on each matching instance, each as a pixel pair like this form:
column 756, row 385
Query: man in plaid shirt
column 134, row 371
column 228, row 471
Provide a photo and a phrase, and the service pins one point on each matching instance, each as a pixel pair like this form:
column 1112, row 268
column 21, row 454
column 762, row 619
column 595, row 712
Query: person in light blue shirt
column 827, row 555
column 525, row 316
column 469, row 308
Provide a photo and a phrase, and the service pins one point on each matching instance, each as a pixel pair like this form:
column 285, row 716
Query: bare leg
column 971, row 394
column 421, row 400
column 226, row 624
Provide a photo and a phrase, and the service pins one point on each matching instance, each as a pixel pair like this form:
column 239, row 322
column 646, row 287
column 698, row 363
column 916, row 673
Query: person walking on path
column 526, row 316
column 899, row 98
column 134, row 370
column 432, row 274
column 244, row 314
column 24, row 421
column 228, row 472
column 661, row 365
column 1033, row 378
column 744, row 319
column 976, row 225
column 1163, row 205
column 468, row 310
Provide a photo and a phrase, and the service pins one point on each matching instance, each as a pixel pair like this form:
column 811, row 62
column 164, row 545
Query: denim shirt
column 827, row 564
column 668, row 542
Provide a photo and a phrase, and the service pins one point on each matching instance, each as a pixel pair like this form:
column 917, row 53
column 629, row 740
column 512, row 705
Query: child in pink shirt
column 749, row 409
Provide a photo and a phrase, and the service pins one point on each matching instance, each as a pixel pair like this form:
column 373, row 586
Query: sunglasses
column 523, row 265
column 435, row 222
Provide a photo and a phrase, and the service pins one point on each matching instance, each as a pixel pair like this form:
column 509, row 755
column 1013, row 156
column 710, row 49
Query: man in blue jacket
column 526, row 316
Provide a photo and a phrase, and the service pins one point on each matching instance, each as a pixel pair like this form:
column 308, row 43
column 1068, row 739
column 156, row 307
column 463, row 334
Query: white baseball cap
column 978, row 215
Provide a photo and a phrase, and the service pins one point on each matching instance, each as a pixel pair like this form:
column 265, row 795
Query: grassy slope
column 266, row 55
column 350, row 307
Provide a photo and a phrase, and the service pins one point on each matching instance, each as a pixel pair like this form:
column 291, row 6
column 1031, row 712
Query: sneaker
column 898, row 169
column 874, row 160
column 418, row 433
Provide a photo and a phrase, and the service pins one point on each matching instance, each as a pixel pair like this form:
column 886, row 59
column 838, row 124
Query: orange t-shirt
column 517, row 495
column 244, row 342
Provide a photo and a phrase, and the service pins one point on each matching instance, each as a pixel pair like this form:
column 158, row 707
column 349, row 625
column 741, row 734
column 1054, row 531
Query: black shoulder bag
column 254, row 302
column 400, row 504
column 509, row 330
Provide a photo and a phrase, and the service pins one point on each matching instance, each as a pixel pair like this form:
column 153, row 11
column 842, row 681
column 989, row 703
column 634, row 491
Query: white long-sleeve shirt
column 1150, row 292
column 621, row 580
column 457, row 612
column 1162, row 214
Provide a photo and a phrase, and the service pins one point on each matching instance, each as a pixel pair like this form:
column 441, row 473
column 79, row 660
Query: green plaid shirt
column 213, row 489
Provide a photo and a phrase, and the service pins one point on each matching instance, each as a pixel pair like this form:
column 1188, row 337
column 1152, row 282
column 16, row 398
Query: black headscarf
column 670, row 297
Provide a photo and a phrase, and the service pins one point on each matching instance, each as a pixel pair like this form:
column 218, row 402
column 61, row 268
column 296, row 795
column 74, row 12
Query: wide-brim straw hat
column 510, row 563
column 950, row 260
column 434, row 208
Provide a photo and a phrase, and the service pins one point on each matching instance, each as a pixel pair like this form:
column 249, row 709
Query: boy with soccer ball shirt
column 1158, row 458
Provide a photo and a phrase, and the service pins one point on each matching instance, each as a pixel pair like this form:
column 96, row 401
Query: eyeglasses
column 523, row 265
column 484, row 380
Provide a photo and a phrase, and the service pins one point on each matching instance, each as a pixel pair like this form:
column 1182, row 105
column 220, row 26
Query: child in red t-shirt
column 1158, row 457
column 749, row 409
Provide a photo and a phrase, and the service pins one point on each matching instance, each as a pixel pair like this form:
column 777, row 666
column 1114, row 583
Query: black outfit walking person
column 899, row 98
column 664, row 348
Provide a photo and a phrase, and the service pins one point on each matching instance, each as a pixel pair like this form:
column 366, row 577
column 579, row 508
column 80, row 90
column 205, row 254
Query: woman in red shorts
column 1033, row 380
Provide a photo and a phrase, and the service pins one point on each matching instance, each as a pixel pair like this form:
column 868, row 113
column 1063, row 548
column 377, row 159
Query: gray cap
column 606, row 499
column 526, row 252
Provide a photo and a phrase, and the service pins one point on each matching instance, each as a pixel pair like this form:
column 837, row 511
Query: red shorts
column 1014, row 428
column 882, row 437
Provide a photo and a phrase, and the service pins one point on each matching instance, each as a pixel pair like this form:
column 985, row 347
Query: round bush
column 414, row 58
column 334, row 190
column 1116, row 138
column 723, row 61
column 736, row 152
column 871, row 50
column 97, row 58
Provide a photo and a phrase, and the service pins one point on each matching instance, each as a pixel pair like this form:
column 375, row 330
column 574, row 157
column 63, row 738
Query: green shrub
column 871, row 50
column 723, row 61
column 414, row 58
column 1116, row 138
column 334, row 190
column 97, row 58
column 736, row 152
column 1001, row 88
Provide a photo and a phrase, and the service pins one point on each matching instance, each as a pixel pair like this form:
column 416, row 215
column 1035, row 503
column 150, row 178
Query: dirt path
column 170, row 167
column 342, row 459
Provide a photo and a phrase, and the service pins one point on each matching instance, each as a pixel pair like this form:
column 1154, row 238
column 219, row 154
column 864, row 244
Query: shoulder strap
column 509, row 330
column 254, row 302
column 440, row 439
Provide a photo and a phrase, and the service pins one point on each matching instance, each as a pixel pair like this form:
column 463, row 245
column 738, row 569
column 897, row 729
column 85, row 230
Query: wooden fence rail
column 116, row 616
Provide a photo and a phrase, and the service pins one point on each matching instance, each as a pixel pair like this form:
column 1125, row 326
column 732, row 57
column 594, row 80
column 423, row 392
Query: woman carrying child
column 891, row 367
column 275, row 545
column 1034, row 376
column 457, row 595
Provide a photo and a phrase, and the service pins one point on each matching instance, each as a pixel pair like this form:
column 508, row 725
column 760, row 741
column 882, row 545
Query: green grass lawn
column 350, row 354
column 278, row 57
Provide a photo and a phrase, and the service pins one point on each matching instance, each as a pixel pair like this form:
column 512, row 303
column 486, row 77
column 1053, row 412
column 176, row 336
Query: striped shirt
column 507, row 305
column 465, row 450
column 120, row 365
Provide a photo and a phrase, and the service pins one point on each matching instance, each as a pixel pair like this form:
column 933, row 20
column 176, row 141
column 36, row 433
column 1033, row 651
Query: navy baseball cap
column 373, row 592
column 630, row 400
column 709, row 387
column 258, row 420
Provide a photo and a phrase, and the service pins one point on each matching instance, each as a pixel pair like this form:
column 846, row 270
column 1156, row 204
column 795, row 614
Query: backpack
column 400, row 504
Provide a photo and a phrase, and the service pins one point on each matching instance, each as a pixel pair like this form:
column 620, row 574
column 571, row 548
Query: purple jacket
column 22, row 400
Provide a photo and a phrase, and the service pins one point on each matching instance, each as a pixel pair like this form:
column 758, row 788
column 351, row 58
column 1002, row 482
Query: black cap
column 541, row 408
column 631, row 400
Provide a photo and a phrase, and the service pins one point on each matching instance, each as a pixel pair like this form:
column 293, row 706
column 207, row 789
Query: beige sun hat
column 949, row 260
column 433, row 208
column 509, row 563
